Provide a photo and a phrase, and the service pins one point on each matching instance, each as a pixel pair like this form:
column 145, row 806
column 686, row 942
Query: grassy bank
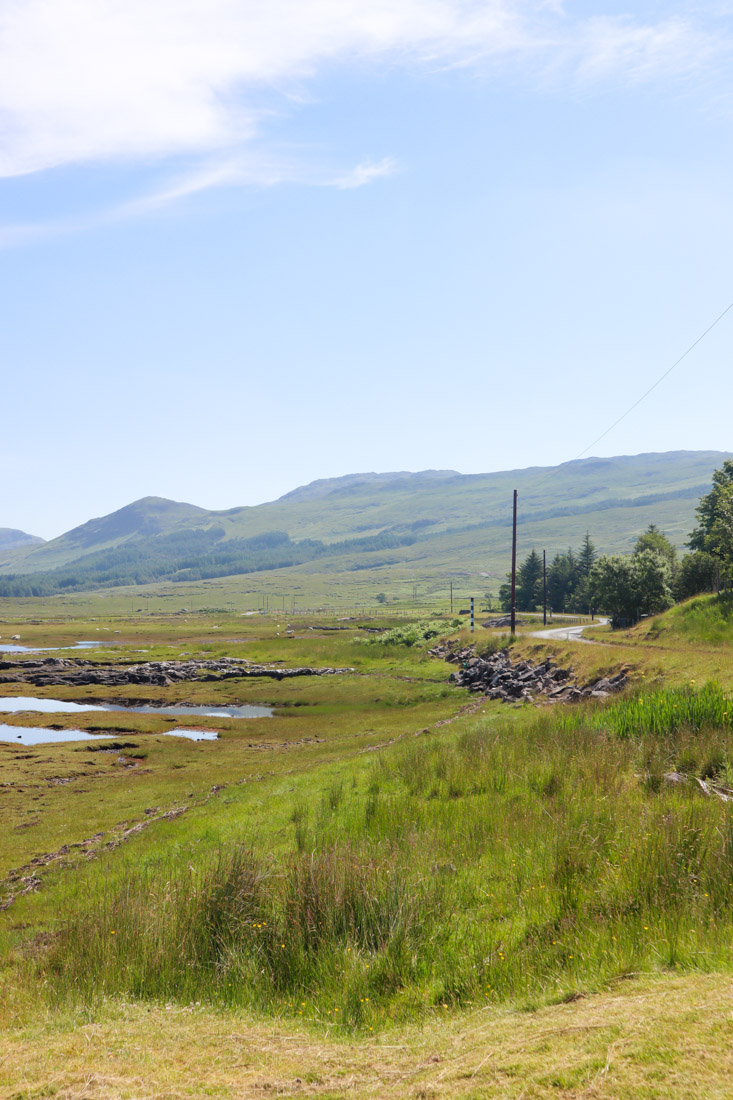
column 523, row 859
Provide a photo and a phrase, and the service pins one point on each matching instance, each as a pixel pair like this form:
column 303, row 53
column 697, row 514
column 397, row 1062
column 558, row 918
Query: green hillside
column 11, row 539
column 431, row 524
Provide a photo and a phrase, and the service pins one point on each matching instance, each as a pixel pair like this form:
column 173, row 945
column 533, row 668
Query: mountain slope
column 143, row 519
column 10, row 539
column 430, row 521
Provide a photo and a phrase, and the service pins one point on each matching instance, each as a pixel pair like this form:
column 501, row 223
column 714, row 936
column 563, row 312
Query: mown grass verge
column 518, row 861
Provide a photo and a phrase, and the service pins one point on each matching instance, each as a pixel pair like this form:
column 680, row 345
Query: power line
column 654, row 386
column 551, row 472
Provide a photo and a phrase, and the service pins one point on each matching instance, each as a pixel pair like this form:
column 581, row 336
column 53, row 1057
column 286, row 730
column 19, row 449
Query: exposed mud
column 25, row 879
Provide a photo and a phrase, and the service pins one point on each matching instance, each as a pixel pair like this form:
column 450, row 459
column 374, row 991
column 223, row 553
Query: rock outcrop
column 52, row 671
column 497, row 676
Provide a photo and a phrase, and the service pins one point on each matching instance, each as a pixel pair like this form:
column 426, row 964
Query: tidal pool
column 36, row 735
column 10, row 648
column 14, row 704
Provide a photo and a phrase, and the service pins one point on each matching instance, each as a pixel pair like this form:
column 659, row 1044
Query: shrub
column 414, row 633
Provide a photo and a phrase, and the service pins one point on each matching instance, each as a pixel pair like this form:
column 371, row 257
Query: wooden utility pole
column 451, row 597
column 544, row 587
column 472, row 614
column 514, row 566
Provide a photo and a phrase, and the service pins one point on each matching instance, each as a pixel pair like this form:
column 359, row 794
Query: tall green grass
column 704, row 619
column 659, row 713
column 524, row 859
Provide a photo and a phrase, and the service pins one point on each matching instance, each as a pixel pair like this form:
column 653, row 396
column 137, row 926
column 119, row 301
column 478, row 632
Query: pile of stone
column 498, row 677
column 51, row 671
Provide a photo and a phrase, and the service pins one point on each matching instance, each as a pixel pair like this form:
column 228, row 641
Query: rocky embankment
column 497, row 676
column 52, row 671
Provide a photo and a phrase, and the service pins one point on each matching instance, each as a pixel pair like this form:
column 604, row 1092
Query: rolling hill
column 10, row 539
column 435, row 522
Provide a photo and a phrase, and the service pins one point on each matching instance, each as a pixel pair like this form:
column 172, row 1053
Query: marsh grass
column 659, row 713
column 522, row 860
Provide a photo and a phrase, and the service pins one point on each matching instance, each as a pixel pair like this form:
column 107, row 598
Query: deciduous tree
column 628, row 587
column 714, row 533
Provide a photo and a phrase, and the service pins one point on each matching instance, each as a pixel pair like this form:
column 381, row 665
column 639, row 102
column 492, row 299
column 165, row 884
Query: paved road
column 568, row 633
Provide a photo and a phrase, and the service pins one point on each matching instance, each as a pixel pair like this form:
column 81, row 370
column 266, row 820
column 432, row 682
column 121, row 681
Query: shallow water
column 36, row 735
column 244, row 711
column 14, row 704
column 17, row 703
column 11, row 648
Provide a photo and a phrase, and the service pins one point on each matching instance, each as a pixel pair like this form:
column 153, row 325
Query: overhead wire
column 655, row 384
column 553, row 469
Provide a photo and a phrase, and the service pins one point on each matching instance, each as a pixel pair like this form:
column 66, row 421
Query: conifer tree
column 714, row 535
column 586, row 556
column 529, row 580
column 656, row 540
column 562, row 578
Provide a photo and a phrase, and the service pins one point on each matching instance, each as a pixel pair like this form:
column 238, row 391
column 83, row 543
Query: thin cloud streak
column 675, row 48
column 364, row 174
column 239, row 172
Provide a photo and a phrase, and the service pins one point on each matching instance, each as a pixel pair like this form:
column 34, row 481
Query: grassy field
column 389, row 888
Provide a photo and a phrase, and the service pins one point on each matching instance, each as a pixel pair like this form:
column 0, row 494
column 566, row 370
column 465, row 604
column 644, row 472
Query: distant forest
column 188, row 556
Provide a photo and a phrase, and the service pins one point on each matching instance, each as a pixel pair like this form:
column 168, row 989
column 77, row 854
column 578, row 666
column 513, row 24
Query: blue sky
column 246, row 245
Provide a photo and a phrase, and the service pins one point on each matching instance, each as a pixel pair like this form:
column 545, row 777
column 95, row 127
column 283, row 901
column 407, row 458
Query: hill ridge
column 12, row 537
column 434, row 520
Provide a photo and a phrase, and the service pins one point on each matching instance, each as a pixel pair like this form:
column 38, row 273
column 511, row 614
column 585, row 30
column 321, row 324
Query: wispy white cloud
column 105, row 80
column 365, row 173
column 608, row 47
column 88, row 80
column 241, row 171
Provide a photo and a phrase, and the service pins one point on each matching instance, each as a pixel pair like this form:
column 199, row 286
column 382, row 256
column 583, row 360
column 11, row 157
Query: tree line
column 194, row 555
column 645, row 582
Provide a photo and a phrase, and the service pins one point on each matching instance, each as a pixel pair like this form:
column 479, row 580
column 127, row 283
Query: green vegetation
column 652, row 578
column 386, row 852
column 657, row 542
column 704, row 620
column 414, row 633
column 697, row 572
column 567, row 581
column 714, row 533
column 188, row 556
column 627, row 588
column 427, row 529
column 660, row 713
column 519, row 859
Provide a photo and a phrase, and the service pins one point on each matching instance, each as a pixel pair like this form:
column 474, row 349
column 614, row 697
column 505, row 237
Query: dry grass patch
column 663, row 1036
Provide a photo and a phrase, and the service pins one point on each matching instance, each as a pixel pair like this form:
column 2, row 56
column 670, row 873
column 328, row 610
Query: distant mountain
column 351, row 482
column 146, row 518
column 149, row 516
column 10, row 539
column 432, row 523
